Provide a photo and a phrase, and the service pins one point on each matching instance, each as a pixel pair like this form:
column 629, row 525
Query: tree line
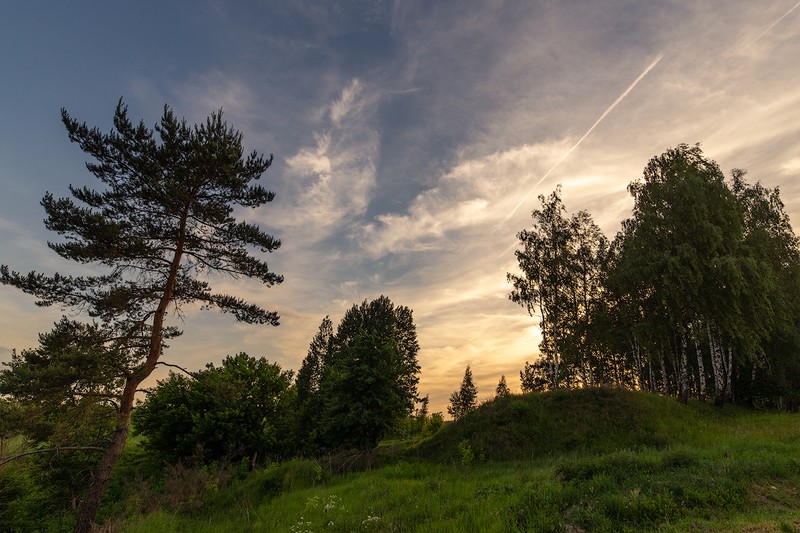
column 698, row 295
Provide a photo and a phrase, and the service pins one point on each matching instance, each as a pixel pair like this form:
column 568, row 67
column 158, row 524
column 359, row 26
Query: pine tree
column 502, row 389
column 464, row 399
column 161, row 226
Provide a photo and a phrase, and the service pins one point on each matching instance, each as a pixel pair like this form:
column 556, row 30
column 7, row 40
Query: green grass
column 589, row 460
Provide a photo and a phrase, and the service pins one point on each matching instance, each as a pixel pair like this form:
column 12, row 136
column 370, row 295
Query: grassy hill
column 585, row 460
column 586, row 420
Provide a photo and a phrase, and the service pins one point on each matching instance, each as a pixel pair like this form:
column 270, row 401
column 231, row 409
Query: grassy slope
column 594, row 460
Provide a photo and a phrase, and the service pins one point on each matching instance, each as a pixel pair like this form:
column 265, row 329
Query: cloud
column 329, row 183
column 791, row 167
column 345, row 103
column 474, row 193
column 209, row 91
column 765, row 31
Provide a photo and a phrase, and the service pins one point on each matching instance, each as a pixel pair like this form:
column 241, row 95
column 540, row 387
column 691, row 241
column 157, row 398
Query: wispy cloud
column 410, row 143
column 330, row 182
column 473, row 193
column 345, row 103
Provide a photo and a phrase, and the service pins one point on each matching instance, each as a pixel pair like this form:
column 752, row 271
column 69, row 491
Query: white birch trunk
column 683, row 370
column 729, row 374
column 701, row 371
column 664, row 380
column 637, row 356
column 716, row 366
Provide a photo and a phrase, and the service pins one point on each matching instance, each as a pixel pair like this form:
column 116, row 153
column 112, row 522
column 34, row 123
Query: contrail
column 598, row 121
column 760, row 35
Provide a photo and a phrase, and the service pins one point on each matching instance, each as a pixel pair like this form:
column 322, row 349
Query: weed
column 465, row 452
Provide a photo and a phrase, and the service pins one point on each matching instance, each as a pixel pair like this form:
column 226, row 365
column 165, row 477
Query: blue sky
column 410, row 138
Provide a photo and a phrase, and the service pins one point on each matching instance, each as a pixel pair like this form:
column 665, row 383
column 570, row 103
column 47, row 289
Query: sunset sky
column 411, row 141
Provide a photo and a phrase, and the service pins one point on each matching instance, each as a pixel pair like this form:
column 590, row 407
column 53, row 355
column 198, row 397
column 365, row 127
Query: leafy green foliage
column 309, row 404
column 65, row 392
column 696, row 296
column 356, row 385
column 60, row 399
column 699, row 263
column 363, row 393
column 559, row 280
column 242, row 409
column 720, row 470
column 534, row 377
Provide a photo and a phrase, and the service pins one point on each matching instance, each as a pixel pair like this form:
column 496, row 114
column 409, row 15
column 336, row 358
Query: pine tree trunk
column 91, row 501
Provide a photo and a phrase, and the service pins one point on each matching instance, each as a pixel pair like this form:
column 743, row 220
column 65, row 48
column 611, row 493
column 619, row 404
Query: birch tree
column 542, row 287
column 559, row 282
column 685, row 256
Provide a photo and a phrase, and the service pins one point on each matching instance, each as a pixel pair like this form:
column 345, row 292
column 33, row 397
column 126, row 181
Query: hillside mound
column 553, row 423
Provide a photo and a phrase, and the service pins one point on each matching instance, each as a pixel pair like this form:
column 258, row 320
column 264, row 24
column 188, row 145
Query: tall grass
column 595, row 460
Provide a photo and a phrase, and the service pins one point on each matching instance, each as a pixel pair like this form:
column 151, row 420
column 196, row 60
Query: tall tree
column 542, row 287
column 374, row 331
column 309, row 377
column 685, row 259
column 465, row 399
column 381, row 317
column 559, row 282
column 160, row 225
column 361, row 392
column 774, row 374
column 586, row 252
column 310, row 373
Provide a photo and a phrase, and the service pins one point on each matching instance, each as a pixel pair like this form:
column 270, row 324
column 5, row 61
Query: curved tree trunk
column 91, row 501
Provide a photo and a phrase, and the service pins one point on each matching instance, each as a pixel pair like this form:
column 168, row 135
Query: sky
column 411, row 140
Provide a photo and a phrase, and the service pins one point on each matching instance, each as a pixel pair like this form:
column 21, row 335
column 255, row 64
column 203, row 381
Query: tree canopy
column 355, row 385
column 696, row 295
column 559, row 280
column 465, row 399
column 241, row 409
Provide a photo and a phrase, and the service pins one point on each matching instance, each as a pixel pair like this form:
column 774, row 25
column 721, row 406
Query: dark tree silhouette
column 355, row 385
column 502, row 388
column 465, row 399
